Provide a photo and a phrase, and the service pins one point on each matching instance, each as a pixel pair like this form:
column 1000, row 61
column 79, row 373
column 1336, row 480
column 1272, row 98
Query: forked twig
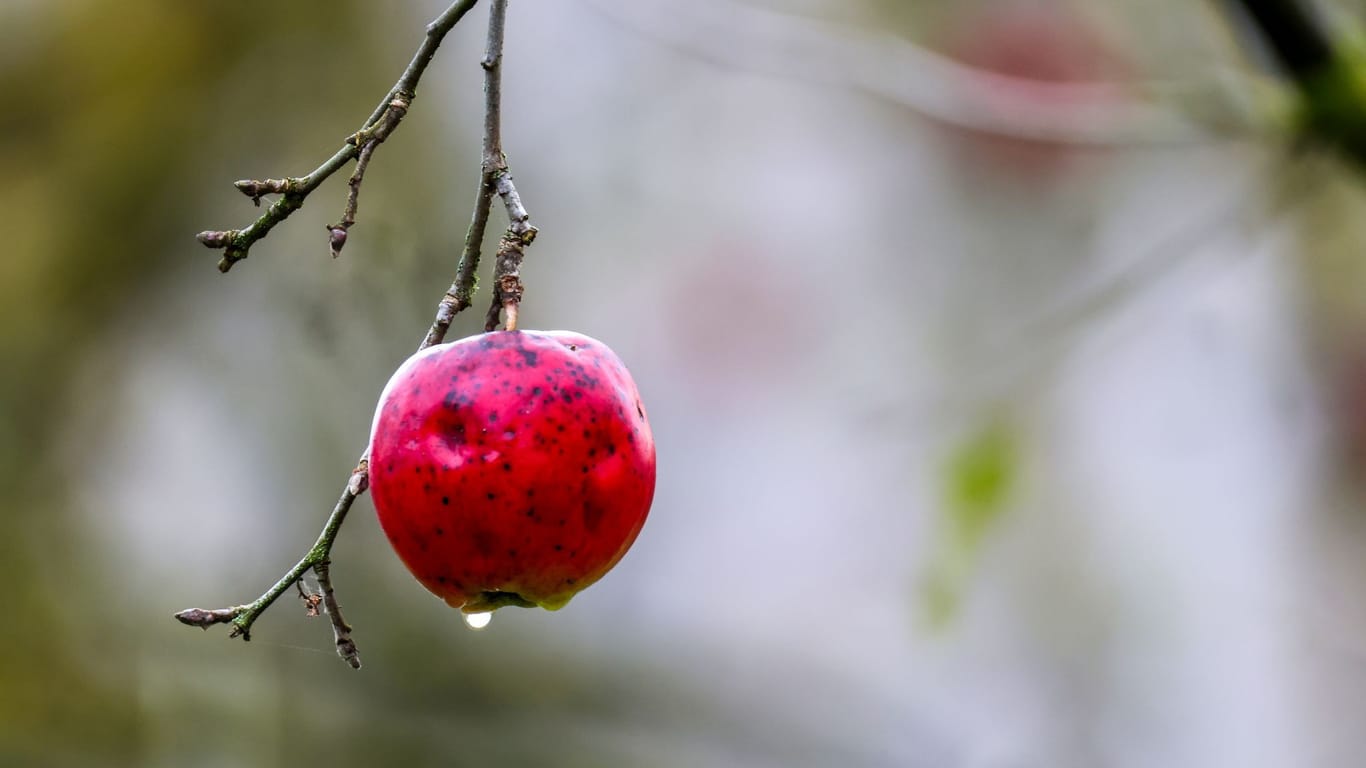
column 235, row 243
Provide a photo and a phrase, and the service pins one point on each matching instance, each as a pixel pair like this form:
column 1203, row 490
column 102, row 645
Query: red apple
column 511, row 468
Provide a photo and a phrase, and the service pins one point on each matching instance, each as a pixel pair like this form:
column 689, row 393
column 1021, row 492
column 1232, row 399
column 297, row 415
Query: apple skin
column 512, row 467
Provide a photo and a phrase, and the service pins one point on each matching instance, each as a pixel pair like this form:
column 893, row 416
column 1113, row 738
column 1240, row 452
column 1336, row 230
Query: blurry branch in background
column 1098, row 114
column 235, row 243
column 494, row 179
column 1329, row 73
column 1017, row 356
column 1100, row 291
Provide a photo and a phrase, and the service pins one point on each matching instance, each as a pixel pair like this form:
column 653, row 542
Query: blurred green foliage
column 1332, row 107
column 977, row 482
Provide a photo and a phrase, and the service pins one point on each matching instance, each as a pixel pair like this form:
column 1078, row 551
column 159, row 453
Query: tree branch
column 341, row 631
column 493, row 169
column 235, row 243
column 507, row 279
column 774, row 43
column 243, row 616
column 507, row 282
column 494, row 179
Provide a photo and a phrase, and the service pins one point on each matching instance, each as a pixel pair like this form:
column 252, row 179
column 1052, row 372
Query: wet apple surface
column 511, row 468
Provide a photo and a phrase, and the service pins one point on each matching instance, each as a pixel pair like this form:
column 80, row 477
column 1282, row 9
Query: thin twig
column 459, row 297
column 341, row 631
column 368, row 143
column 235, row 243
column 243, row 616
column 507, row 279
column 507, row 275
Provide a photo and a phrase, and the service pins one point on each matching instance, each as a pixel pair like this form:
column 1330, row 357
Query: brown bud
column 251, row 188
column 256, row 189
column 215, row 239
column 336, row 239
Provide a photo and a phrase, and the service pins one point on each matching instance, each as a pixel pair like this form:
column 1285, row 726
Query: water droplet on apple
column 478, row 620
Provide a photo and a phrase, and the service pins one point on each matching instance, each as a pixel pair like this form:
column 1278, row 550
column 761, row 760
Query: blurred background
column 1007, row 362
